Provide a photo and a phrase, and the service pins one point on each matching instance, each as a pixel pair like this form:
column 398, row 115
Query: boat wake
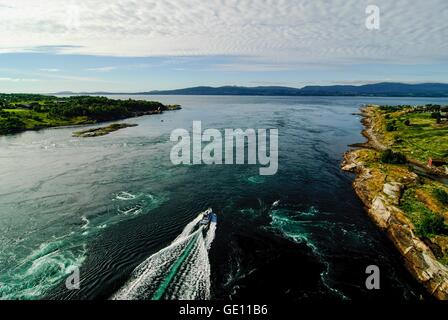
column 180, row 271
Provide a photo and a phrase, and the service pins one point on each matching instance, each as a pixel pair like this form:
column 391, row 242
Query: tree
column 430, row 224
column 390, row 157
column 11, row 125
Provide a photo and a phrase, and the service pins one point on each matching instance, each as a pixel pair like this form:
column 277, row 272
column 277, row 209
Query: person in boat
column 205, row 218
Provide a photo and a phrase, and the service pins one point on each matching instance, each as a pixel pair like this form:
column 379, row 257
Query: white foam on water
column 86, row 222
column 125, row 196
column 295, row 231
column 193, row 281
column 136, row 210
column 210, row 235
column 41, row 270
column 48, row 265
column 148, row 275
column 191, row 278
column 189, row 228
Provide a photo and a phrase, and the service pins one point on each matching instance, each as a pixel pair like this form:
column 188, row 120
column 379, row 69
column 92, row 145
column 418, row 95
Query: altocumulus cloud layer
column 275, row 34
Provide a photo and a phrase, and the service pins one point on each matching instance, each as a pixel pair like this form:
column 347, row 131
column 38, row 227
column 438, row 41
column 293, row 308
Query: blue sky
column 128, row 45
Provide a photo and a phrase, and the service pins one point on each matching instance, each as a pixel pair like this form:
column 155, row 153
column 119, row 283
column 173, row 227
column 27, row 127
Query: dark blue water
column 106, row 204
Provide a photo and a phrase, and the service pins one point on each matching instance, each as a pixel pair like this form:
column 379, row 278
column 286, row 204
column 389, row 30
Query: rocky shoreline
column 102, row 131
column 381, row 195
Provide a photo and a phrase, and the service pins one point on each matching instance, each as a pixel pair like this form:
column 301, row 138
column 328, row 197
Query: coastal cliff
column 381, row 188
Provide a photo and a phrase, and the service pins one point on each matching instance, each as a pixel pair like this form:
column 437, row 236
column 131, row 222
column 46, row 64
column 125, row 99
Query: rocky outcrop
column 393, row 191
column 381, row 200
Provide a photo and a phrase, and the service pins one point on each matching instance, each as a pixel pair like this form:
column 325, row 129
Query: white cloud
column 49, row 70
column 8, row 79
column 252, row 67
column 102, row 69
column 295, row 32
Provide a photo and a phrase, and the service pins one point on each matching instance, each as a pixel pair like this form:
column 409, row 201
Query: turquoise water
column 107, row 204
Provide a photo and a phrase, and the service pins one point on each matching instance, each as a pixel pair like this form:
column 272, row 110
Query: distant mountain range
column 384, row 89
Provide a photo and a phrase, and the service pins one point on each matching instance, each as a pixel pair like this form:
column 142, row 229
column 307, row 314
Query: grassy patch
column 444, row 260
column 15, row 120
column 441, row 195
column 415, row 134
column 427, row 222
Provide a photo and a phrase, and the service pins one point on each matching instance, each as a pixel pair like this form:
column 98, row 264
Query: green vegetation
column 418, row 132
column 430, row 224
column 97, row 132
column 404, row 137
column 444, row 260
column 441, row 195
column 19, row 112
column 391, row 125
column 427, row 222
column 422, row 200
column 388, row 156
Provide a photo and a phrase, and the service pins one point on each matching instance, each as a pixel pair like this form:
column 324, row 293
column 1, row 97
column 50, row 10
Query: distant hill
column 384, row 89
column 95, row 93
column 232, row 90
column 387, row 89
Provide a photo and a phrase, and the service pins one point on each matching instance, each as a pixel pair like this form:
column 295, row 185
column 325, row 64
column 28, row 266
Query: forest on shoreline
column 20, row 112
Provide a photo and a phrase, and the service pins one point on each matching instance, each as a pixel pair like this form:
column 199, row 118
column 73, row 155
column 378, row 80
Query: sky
column 140, row 45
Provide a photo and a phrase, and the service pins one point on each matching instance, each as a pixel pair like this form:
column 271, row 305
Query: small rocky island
column 97, row 132
column 403, row 186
